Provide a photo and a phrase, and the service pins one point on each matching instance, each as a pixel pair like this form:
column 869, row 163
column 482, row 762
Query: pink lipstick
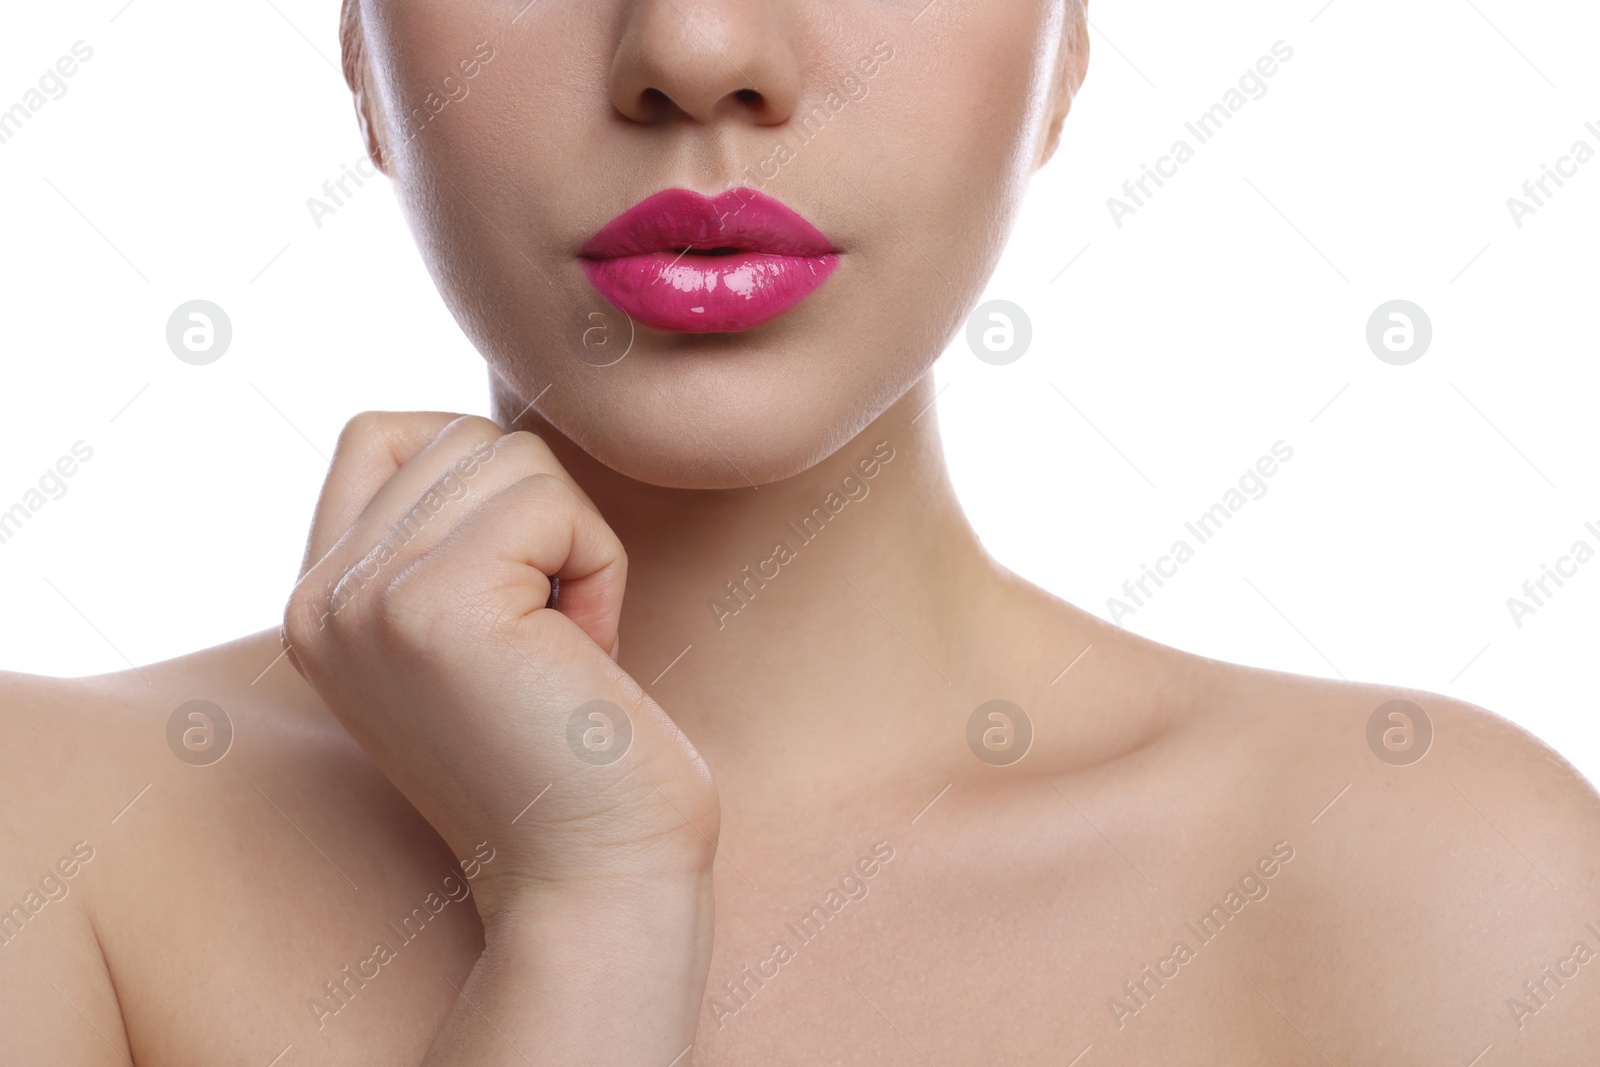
column 689, row 263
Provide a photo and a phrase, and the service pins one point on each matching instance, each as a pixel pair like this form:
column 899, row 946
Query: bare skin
column 408, row 758
column 1013, row 908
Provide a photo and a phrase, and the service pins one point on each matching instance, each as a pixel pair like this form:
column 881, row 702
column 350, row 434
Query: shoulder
column 99, row 789
column 58, row 756
column 85, row 756
column 1435, row 868
column 77, row 750
column 1448, row 866
column 67, row 739
column 1428, row 762
column 64, row 739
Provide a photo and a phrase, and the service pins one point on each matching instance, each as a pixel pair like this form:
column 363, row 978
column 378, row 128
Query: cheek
column 919, row 179
column 950, row 166
column 493, row 182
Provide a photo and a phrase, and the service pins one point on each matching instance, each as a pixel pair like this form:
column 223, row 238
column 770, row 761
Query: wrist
column 597, row 908
column 601, row 973
column 646, row 945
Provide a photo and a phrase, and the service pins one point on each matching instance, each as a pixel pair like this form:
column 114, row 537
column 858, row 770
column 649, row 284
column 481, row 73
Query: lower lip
column 708, row 294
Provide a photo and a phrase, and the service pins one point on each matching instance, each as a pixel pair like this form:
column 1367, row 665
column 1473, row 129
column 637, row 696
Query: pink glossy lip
column 690, row 263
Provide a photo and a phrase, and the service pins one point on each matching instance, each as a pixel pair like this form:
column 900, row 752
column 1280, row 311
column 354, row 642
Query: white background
column 1226, row 314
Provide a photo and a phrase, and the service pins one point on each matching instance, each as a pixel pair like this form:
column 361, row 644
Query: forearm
column 603, row 977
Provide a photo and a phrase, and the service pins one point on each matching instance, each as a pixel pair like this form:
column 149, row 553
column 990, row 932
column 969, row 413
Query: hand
column 421, row 619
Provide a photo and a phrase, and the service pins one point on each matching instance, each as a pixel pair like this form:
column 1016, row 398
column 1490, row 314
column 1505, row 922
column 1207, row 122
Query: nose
column 707, row 60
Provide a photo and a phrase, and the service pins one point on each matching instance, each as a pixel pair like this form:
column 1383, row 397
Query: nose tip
column 704, row 60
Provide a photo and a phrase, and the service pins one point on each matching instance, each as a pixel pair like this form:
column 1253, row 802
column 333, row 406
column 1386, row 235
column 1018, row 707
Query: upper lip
column 682, row 220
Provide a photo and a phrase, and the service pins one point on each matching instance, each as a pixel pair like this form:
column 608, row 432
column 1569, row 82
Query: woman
column 830, row 786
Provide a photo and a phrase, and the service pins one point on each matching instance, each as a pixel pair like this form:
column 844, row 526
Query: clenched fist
column 424, row 618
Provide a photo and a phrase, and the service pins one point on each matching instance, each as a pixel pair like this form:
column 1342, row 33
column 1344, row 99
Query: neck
column 778, row 622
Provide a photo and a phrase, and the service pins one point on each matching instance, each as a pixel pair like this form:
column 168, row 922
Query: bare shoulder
column 76, row 744
column 1447, row 888
column 100, row 781
column 63, row 740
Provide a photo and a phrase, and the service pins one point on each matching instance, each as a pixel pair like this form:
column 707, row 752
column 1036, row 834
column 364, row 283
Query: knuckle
column 546, row 486
column 486, row 609
column 363, row 426
column 543, row 495
column 551, row 633
column 305, row 619
column 474, row 428
column 525, row 450
column 406, row 611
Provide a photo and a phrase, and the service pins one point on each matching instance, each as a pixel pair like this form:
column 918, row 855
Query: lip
column 651, row 260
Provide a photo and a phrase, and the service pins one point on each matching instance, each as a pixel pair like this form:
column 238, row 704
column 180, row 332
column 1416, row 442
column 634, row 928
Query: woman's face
column 902, row 131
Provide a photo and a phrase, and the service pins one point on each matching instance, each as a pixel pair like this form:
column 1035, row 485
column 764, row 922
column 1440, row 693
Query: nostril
column 732, row 65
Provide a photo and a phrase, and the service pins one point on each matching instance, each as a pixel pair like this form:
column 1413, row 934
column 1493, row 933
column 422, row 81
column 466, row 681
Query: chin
column 713, row 411
column 699, row 410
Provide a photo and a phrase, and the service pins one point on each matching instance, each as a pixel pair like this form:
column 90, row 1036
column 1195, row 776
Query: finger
column 505, row 553
column 372, row 447
column 467, row 464
column 452, row 448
